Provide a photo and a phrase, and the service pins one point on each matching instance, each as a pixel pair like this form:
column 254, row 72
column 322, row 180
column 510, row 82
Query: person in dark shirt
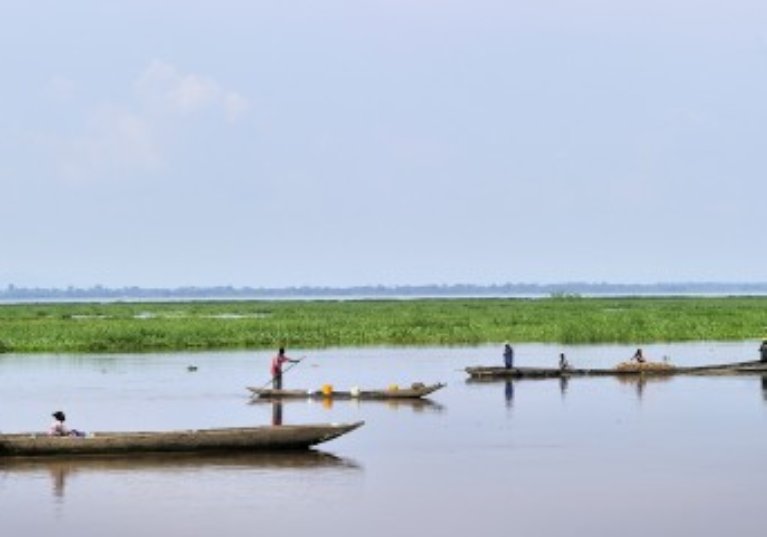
column 508, row 356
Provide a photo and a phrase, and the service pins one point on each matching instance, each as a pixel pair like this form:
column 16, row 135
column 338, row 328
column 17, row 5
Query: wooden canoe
column 647, row 368
column 416, row 391
column 244, row 439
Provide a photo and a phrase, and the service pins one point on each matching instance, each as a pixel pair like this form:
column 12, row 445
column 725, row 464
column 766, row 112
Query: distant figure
column 58, row 428
column 277, row 362
column 638, row 357
column 508, row 356
column 563, row 363
column 763, row 351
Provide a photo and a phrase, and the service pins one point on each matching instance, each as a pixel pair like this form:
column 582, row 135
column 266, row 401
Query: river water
column 593, row 456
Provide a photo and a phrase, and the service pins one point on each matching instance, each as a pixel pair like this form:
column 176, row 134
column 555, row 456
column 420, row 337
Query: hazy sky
column 351, row 142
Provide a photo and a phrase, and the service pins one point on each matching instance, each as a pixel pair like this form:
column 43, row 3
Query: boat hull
column 266, row 438
column 753, row 367
column 400, row 393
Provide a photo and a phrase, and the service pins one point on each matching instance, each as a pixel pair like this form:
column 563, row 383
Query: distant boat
column 415, row 391
column 241, row 439
column 624, row 369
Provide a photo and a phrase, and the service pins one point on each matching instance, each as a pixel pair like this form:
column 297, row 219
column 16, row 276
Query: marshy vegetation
column 168, row 326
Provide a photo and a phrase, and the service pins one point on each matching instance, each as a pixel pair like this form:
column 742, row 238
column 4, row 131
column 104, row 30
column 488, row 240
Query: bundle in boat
column 645, row 367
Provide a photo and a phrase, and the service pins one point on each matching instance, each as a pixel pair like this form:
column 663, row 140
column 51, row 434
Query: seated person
column 58, row 428
column 638, row 357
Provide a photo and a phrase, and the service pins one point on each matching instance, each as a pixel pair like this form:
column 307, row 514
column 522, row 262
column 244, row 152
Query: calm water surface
column 678, row 456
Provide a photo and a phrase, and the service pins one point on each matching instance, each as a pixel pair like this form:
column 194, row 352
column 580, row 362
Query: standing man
column 508, row 356
column 277, row 362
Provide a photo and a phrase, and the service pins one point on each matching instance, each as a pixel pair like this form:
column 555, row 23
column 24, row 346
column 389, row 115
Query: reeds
column 143, row 327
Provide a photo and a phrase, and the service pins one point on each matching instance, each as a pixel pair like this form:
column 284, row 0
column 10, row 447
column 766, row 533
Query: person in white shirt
column 59, row 428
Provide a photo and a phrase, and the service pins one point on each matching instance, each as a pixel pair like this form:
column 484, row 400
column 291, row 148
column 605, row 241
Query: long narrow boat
column 647, row 368
column 244, row 439
column 416, row 391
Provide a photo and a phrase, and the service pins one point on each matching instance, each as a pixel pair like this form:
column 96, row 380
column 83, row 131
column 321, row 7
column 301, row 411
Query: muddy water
column 677, row 456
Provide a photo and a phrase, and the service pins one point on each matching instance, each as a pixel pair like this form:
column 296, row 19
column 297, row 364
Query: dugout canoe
column 647, row 368
column 416, row 391
column 236, row 439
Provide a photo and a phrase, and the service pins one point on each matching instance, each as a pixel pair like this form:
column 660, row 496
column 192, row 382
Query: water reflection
column 416, row 405
column 638, row 382
column 62, row 470
column 764, row 388
column 59, row 478
column 508, row 386
column 277, row 413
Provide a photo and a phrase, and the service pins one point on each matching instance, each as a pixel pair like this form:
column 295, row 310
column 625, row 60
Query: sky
column 339, row 143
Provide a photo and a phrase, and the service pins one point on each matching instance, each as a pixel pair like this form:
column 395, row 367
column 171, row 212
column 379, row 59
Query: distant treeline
column 98, row 292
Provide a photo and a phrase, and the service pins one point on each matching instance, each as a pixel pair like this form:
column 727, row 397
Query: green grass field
column 143, row 327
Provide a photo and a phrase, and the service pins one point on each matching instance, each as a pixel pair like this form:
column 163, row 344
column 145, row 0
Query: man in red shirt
column 277, row 362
